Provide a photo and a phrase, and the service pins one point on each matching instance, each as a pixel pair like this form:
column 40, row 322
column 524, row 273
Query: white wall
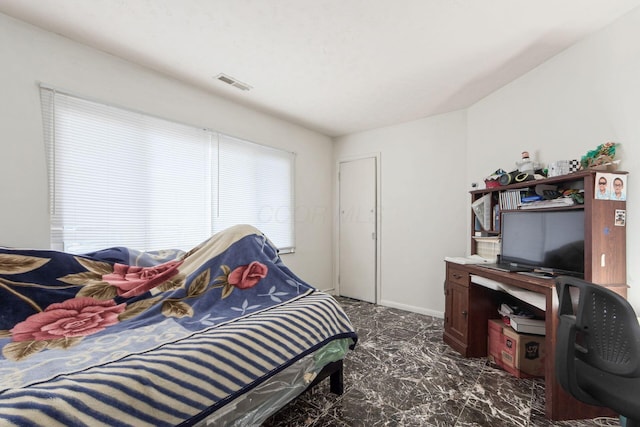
column 30, row 55
column 587, row 95
column 423, row 205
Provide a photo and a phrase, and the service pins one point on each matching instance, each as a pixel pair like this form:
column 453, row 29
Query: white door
column 357, row 229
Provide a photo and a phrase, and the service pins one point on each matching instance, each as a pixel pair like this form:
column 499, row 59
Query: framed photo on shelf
column 610, row 186
column 619, row 187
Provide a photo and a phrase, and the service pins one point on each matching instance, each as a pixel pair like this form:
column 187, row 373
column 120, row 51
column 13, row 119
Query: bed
column 224, row 334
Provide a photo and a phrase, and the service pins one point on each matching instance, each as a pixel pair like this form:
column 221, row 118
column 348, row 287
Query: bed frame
column 334, row 371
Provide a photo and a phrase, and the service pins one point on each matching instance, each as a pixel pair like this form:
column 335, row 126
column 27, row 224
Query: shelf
column 554, row 208
column 575, row 176
column 599, row 215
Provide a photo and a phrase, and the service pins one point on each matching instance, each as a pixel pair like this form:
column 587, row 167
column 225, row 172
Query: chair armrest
column 565, row 362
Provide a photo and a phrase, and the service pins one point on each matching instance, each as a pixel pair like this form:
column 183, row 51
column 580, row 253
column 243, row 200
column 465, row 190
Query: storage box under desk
column 559, row 405
column 521, row 355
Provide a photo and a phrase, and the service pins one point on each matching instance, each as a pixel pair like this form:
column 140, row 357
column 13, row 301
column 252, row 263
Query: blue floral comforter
column 120, row 337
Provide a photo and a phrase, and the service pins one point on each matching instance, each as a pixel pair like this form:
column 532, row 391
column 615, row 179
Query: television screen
column 544, row 239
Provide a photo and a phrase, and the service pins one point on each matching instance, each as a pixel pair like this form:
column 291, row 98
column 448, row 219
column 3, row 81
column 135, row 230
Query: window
column 123, row 178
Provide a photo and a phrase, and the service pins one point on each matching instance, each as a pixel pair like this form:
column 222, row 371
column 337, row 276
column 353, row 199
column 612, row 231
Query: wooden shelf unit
column 469, row 306
column 602, row 237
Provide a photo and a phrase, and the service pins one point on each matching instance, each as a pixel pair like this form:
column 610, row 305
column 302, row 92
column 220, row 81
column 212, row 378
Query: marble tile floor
column 402, row 374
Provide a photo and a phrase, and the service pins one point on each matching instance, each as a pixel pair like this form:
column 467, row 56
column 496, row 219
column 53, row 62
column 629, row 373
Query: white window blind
column 255, row 186
column 123, row 178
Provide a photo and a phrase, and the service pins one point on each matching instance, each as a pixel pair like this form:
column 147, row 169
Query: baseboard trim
column 413, row 309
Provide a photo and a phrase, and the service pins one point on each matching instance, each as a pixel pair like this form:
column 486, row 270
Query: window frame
column 282, row 234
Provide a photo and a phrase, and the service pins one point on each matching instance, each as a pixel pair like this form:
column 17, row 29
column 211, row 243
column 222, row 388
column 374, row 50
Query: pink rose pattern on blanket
column 247, row 276
column 76, row 317
column 132, row 281
column 54, row 300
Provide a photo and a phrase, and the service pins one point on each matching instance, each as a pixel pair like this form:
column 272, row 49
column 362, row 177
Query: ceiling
column 334, row 66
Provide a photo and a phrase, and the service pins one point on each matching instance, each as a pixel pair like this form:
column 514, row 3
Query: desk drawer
column 455, row 275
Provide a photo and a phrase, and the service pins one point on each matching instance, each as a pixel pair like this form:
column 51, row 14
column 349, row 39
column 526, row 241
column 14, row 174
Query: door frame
column 336, row 229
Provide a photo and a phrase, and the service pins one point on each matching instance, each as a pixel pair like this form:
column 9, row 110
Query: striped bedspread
column 182, row 380
column 172, row 352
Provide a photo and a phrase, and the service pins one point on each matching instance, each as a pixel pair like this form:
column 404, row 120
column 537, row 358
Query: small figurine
column 525, row 165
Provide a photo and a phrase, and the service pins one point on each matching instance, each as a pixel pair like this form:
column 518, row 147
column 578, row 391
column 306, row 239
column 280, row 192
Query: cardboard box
column 524, row 352
column 495, row 346
column 495, row 340
column 521, row 355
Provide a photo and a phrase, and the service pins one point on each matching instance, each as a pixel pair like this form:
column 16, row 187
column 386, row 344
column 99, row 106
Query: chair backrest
column 607, row 332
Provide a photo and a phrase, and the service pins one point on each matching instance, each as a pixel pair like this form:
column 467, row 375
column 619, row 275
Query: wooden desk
column 467, row 313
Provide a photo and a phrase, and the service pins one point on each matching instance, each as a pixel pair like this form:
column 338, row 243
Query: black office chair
column 598, row 348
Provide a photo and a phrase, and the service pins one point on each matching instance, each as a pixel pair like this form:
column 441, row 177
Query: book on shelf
column 523, row 199
column 551, row 203
column 482, row 210
column 510, row 199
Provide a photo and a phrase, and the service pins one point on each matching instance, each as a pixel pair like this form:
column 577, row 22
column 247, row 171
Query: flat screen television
column 551, row 240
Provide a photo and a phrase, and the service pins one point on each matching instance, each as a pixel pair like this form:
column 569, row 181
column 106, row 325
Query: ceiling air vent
column 232, row 81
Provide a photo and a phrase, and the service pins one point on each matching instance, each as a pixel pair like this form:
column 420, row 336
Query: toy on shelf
column 493, row 180
column 526, row 164
column 601, row 158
